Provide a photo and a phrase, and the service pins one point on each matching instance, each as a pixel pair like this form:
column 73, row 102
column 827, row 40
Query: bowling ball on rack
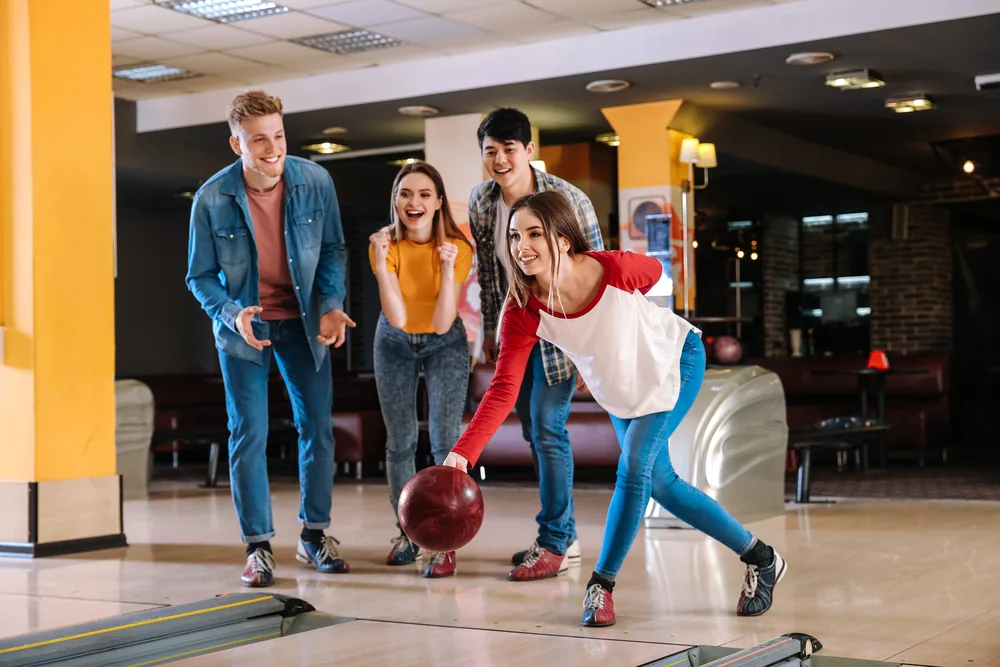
column 441, row 508
column 727, row 350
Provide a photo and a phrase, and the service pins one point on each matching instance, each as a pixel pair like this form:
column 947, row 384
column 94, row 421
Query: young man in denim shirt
column 267, row 262
column 550, row 380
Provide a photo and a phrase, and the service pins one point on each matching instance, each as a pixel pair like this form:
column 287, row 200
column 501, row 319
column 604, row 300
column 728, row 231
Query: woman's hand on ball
column 457, row 461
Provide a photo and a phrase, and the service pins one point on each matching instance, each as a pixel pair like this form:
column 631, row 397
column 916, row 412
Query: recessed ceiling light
column 335, row 130
column 152, row 73
column 665, row 3
column 854, row 79
column 225, row 11
column 418, row 110
column 326, row 148
column 809, row 58
column 724, row 85
column 348, row 41
column 607, row 85
column 909, row 104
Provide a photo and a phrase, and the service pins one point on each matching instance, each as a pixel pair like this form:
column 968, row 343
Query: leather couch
column 198, row 401
column 590, row 431
column 916, row 406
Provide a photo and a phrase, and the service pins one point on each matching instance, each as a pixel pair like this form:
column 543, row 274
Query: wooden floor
column 906, row 581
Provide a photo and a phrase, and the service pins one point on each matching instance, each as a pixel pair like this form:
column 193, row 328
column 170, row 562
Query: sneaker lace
column 261, row 560
column 400, row 543
column 531, row 556
column 438, row 558
column 594, row 599
column 328, row 548
column 750, row 582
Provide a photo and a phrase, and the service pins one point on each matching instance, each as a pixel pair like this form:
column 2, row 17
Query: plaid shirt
column 492, row 282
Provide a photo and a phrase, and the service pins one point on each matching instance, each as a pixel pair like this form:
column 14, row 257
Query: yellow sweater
column 418, row 270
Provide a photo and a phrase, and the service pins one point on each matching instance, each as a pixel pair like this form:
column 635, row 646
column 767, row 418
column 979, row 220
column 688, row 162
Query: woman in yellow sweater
column 421, row 262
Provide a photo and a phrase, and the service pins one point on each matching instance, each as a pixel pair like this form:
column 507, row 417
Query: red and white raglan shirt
column 626, row 348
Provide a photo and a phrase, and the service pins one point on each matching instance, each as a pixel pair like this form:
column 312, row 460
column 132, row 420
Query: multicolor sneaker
column 322, row 555
column 442, row 564
column 758, row 587
column 598, row 607
column 259, row 571
column 538, row 563
column 403, row 551
column 570, row 559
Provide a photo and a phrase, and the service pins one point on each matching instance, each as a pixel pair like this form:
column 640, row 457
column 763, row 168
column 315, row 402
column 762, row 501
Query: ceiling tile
column 275, row 52
column 443, row 6
column 153, row 48
column 627, row 19
column 427, row 29
column 321, row 64
column 118, row 34
column 367, row 13
column 501, row 16
column 470, row 43
column 156, row 20
column 715, row 7
column 542, row 32
column 210, row 63
column 218, row 37
column 262, row 74
column 291, row 25
column 579, row 8
column 120, row 60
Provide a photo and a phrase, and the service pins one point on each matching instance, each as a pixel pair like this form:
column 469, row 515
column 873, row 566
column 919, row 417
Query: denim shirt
column 222, row 256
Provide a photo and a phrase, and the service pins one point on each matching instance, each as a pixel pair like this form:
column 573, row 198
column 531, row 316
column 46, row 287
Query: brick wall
column 779, row 255
column 910, row 289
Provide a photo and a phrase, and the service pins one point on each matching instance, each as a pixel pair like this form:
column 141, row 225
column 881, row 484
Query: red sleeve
column 517, row 337
column 630, row 271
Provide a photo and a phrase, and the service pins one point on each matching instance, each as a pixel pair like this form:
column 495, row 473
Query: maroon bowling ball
column 727, row 350
column 441, row 508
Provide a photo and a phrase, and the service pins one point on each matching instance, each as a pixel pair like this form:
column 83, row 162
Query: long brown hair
column 444, row 226
column 558, row 220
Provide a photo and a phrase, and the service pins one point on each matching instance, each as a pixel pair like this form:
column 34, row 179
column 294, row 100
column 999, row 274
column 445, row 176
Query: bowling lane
column 371, row 643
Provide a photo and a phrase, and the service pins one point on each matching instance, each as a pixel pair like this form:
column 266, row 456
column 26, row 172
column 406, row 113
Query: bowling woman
column 643, row 364
column 420, row 261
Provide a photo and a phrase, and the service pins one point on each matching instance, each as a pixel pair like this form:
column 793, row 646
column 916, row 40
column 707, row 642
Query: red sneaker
column 598, row 607
column 538, row 563
column 442, row 564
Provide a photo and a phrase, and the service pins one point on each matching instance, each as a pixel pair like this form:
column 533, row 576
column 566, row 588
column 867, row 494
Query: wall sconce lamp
column 694, row 154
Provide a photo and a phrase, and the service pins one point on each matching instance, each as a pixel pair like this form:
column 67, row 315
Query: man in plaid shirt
column 550, row 378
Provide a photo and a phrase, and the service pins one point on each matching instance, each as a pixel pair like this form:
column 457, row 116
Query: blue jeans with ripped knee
column 644, row 471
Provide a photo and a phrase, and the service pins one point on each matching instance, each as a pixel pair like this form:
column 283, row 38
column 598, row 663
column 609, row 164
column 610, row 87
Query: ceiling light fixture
column 969, row 166
column 665, row 3
column 724, row 85
column 148, row 73
column 225, row 11
column 334, row 130
column 326, row 148
column 609, row 138
column 854, row 79
column 909, row 104
column 418, row 110
column 809, row 58
column 348, row 41
column 607, row 85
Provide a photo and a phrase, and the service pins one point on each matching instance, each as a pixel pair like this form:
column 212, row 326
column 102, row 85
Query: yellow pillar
column 650, row 180
column 58, row 482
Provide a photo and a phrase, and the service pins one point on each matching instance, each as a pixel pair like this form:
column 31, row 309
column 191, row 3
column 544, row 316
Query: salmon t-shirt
column 277, row 293
column 418, row 270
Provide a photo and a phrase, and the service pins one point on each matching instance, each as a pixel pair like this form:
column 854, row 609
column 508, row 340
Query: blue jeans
column 644, row 470
column 311, row 394
column 543, row 410
column 399, row 358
